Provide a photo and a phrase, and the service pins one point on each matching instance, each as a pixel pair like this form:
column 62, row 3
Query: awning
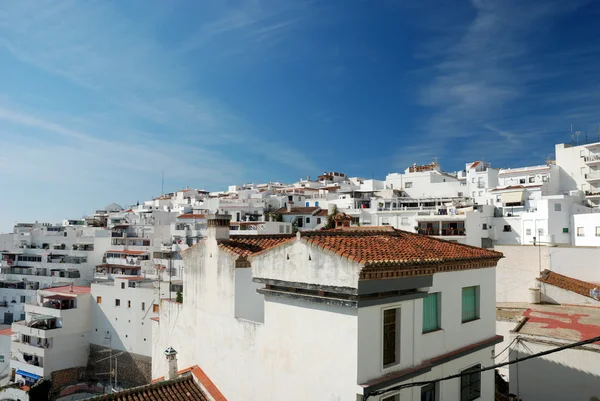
column 27, row 374
column 513, row 197
column 57, row 297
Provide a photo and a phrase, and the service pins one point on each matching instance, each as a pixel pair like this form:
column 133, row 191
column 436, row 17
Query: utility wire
column 499, row 365
column 500, row 353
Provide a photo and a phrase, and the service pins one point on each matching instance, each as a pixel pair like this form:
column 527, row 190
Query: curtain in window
column 469, row 304
column 430, row 313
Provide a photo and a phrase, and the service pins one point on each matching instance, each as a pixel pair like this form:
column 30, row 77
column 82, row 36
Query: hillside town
column 329, row 288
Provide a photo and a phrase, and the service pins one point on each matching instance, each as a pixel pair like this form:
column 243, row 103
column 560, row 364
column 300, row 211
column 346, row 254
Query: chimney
column 289, row 206
column 71, row 287
column 218, row 226
column 171, row 355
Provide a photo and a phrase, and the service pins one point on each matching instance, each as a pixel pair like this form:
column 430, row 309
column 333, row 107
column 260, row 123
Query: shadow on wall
column 542, row 379
column 132, row 369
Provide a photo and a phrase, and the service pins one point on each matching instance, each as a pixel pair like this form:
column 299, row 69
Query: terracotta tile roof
column 6, row 332
column 67, row 289
column 567, row 283
column 127, row 252
column 394, row 247
column 191, row 216
column 475, row 164
column 516, row 187
column 299, row 210
column 203, row 380
column 322, row 212
column 180, row 389
column 246, row 245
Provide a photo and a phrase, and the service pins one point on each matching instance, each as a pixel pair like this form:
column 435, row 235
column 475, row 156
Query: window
column 390, row 334
column 307, row 220
column 507, row 228
column 470, row 384
column 528, row 231
column 531, row 179
column 385, row 221
column 404, row 221
column 117, row 302
column 557, row 207
column 565, row 230
column 122, row 286
column 473, row 180
column 129, row 304
column 459, row 194
column 484, row 226
column 318, row 220
column 155, row 308
column 480, row 193
column 474, row 193
column 408, row 185
column 522, row 181
column 395, row 397
column 580, row 232
column 1, row 358
column 98, row 300
column 470, row 303
column 431, row 312
column 143, row 306
column 544, row 178
column 22, row 299
column 597, row 231
column 428, row 392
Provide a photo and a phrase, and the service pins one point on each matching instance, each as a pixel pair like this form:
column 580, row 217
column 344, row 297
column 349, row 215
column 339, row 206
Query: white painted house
column 54, row 335
column 334, row 315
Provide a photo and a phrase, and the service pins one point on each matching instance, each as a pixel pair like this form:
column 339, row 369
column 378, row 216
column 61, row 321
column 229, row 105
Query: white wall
column 589, row 222
column 248, row 303
column 129, row 328
column 568, row 375
column 5, row 344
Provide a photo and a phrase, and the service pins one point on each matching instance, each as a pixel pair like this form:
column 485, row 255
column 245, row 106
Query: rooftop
column 246, row 245
column 127, row 252
column 191, row 216
column 565, row 322
column 67, row 289
column 567, row 283
column 180, row 389
column 6, row 332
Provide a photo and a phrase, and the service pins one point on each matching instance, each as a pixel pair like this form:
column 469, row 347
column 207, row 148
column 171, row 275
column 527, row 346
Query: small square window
column 557, row 207
column 565, row 230
column 531, row 180
column 484, row 226
column 507, row 228
column 544, row 178
column 528, row 231
column 308, row 220
column 318, row 220
column 460, row 194
column 122, row 286
column 473, row 180
column 155, row 308
column 129, row 304
column 117, row 302
column 408, row 185
column 522, row 181
column 98, row 300
column 404, row 221
column 580, row 232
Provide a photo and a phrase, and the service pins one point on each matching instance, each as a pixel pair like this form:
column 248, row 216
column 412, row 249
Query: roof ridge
column 187, row 376
column 259, row 236
column 454, row 243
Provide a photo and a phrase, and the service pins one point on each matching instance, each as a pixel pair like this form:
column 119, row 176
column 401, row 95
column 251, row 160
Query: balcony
column 592, row 194
column 18, row 363
column 592, row 160
column 593, row 176
column 35, row 347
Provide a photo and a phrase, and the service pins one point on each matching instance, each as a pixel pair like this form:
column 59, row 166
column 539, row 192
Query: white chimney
column 218, row 226
column 171, row 355
column 289, row 206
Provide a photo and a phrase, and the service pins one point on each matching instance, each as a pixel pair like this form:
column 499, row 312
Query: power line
column 500, row 353
column 499, row 365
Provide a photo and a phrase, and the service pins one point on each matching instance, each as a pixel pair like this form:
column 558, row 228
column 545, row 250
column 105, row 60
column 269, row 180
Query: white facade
column 55, row 334
column 122, row 310
column 280, row 341
column 586, row 229
column 581, row 167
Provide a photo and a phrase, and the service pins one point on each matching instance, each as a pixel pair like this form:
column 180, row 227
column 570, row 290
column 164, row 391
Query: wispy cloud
column 493, row 80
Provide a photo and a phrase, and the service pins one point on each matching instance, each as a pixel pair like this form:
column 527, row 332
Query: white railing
column 593, row 176
column 592, row 158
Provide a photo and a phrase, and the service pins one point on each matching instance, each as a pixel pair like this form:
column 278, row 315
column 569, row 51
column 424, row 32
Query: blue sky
column 98, row 97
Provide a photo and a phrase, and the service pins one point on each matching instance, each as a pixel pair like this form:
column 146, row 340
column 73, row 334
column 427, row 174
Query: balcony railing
column 446, row 232
column 592, row 158
column 593, row 176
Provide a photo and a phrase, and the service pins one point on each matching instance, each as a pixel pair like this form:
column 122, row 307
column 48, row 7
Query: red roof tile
column 67, row 289
column 394, row 247
column 6, row 332
column 567, row 283
column 128, row 252
column 191, row 216
column 299, row 210
column 322, row 212
column 180, row 389
column 246, row 245
column 475, row 164
column 201, row 378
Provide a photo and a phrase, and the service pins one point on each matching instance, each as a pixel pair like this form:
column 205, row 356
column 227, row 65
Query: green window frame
column 470, row 303
column 431, row 312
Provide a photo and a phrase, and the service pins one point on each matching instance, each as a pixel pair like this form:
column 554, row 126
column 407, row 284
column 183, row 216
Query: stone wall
column 132, row 369
column 65, row 377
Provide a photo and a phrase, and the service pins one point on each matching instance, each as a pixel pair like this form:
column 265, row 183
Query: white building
column 581, row 169
column 5, row 344
column 266, row 309
column 586, row 229
column 54, row 335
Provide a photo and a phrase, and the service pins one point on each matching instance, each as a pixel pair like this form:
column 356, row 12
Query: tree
column 330, row 221
column 179, row 297
column 41, row 390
